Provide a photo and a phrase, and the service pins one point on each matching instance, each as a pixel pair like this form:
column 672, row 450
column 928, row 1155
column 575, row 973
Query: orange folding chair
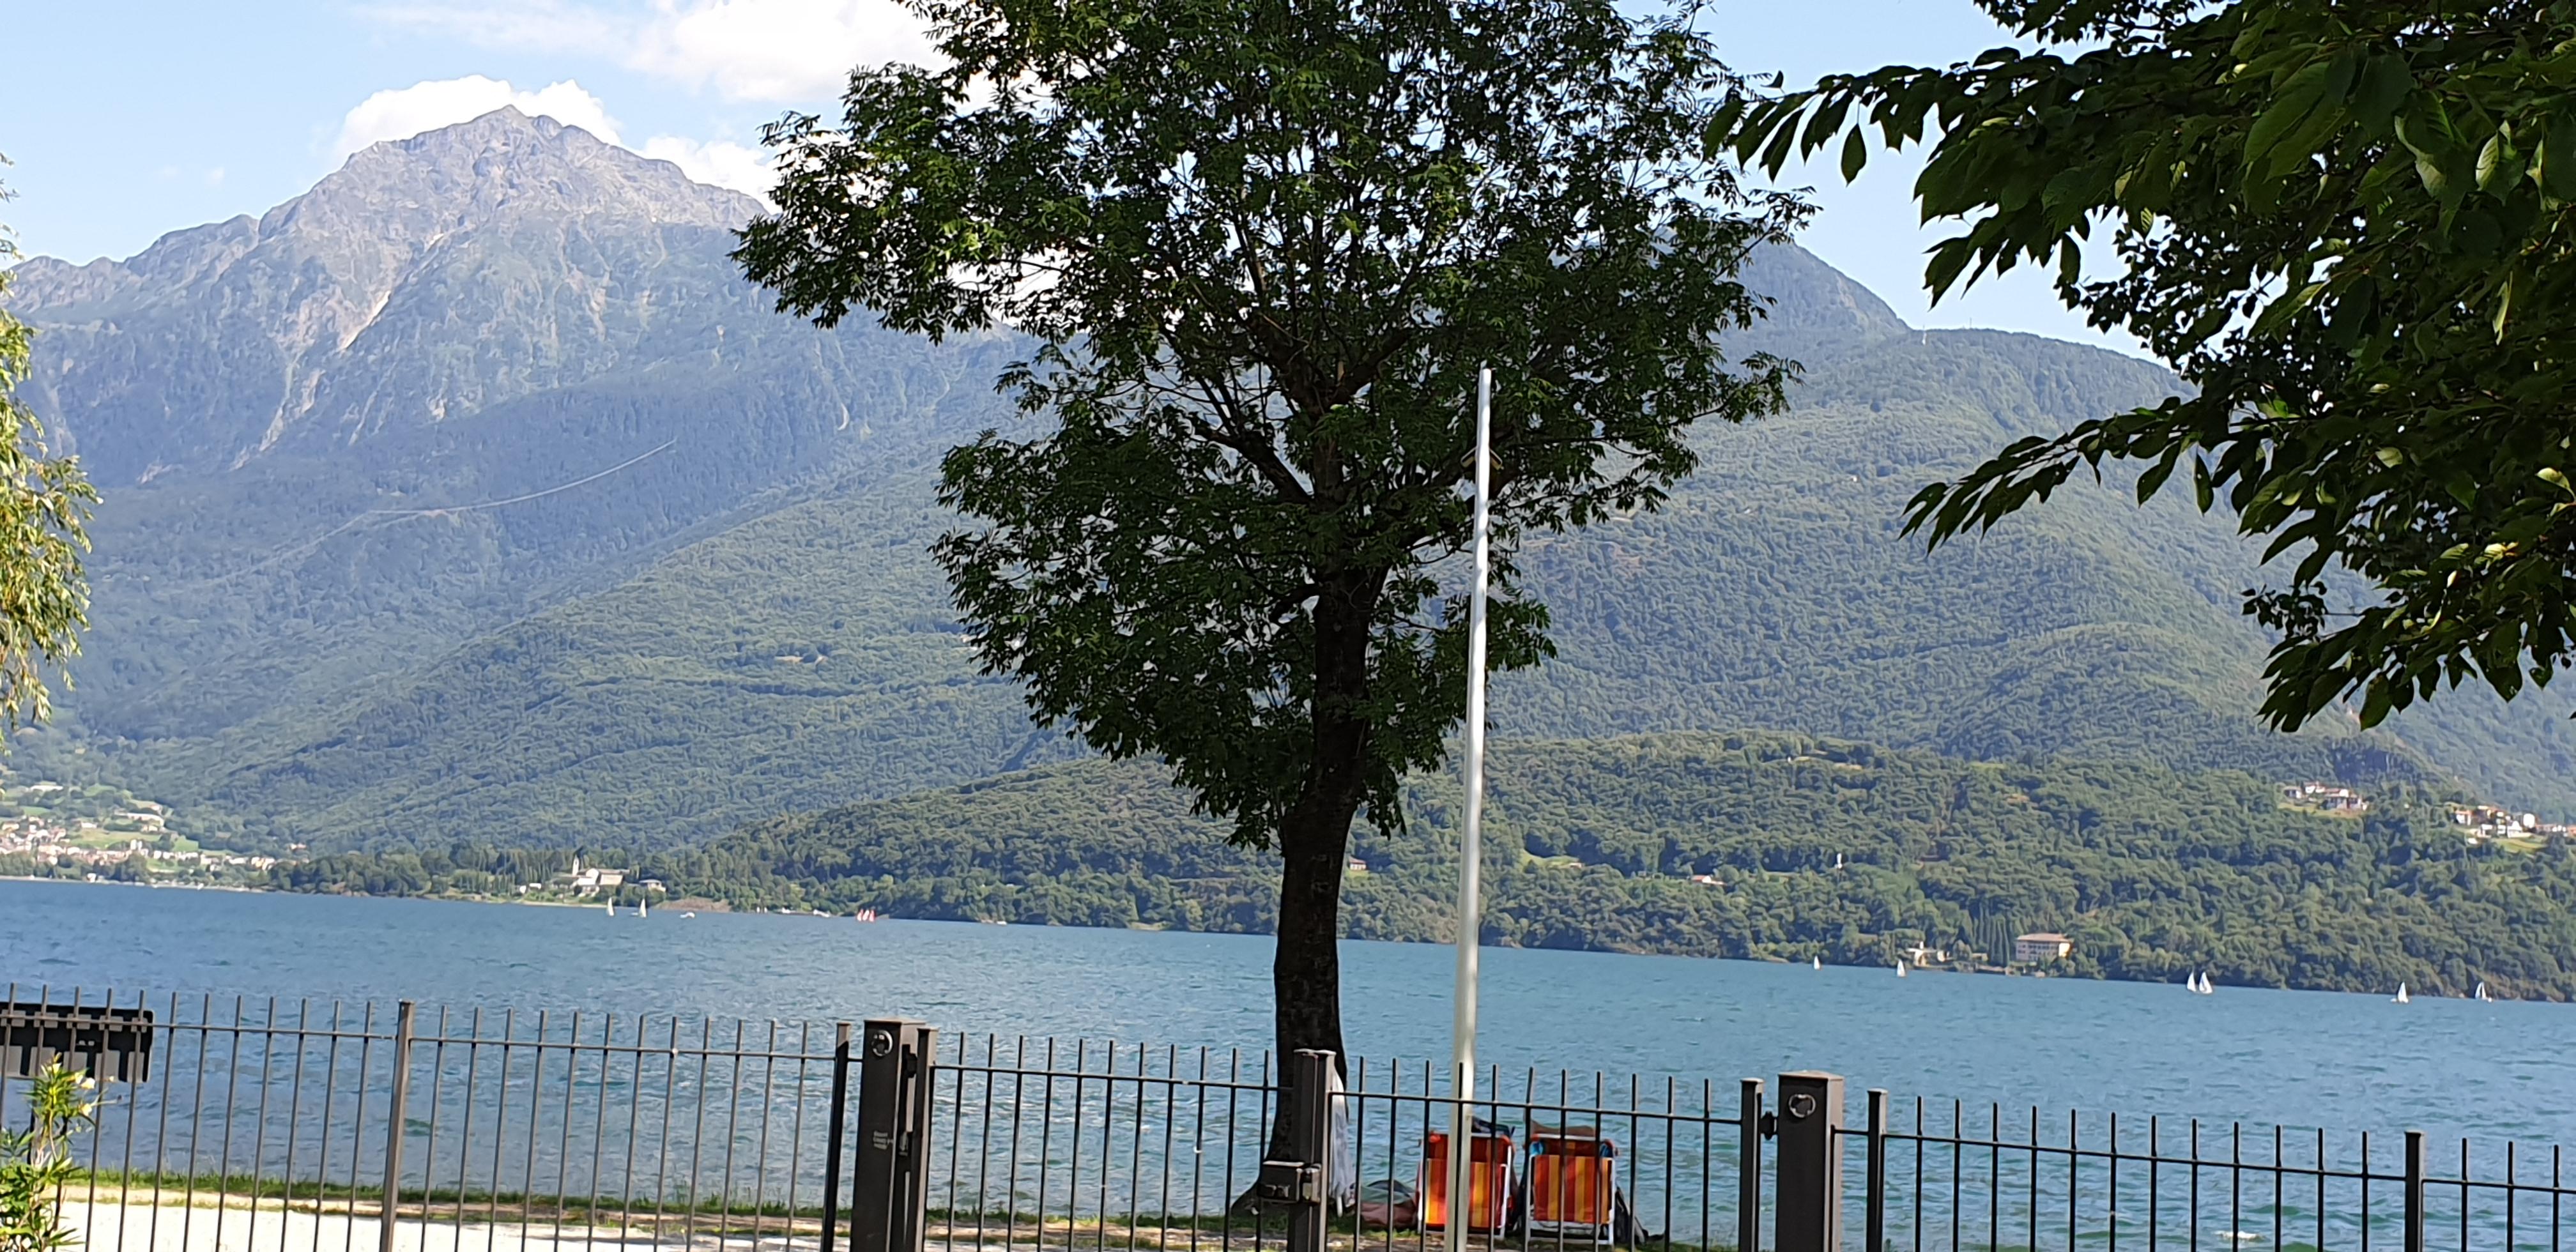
column 1489, row 1179
column 1573, row 1183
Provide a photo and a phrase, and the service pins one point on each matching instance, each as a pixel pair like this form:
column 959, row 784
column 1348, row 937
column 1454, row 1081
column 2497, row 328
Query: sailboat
column 1820, row 964
column 2482, row 996
column 2401, row 997
column 2199, row 984
column 612, row 908
column 1900, row 967
column 643, row 908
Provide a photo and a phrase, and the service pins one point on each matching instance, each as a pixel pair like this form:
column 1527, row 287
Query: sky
column 127, row 119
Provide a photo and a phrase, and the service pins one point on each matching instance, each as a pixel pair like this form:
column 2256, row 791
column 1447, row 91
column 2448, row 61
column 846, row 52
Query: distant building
column 592, row 880
column 2330, row 798
column 2040, row 947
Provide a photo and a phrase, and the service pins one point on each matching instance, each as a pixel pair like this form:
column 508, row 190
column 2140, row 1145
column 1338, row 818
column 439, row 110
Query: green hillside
column 1820, row 848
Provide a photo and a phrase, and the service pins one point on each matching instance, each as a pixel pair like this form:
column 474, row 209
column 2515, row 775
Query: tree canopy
column 44, row 502
column 1262, row 247
column 2347, row 223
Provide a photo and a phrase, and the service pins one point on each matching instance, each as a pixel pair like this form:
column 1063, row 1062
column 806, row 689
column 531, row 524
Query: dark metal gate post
column 1302, row 1185
column 386, row 1217
column 1748, row 1157
column 1313, row 1134
column 1808, row 1216
column 1875, row 1222
column 2414, row 1191
column 890, row 1197
column 836, row 1125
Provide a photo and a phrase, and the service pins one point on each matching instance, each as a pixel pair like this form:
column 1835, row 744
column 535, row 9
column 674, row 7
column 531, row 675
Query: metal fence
column 257, row 1125
column 1941, row 1175
column 264, row 1124
column 1103, row 1143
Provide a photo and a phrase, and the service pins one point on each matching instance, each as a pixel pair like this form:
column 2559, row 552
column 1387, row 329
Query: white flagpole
column 1470, row 843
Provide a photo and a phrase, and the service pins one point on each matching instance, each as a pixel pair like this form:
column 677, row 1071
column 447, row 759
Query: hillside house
column 2325, row 796
column 2040, row 947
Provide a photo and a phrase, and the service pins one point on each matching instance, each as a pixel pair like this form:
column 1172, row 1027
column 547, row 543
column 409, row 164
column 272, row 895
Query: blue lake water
column 2345, row 1062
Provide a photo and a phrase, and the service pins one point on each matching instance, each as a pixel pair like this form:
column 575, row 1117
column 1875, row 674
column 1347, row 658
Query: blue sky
column 126, row 119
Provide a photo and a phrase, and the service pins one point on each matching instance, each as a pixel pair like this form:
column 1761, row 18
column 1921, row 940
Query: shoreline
column 1263, row 934
column 699, row 904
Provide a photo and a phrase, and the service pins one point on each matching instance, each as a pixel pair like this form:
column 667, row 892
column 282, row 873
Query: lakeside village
column 94, row 833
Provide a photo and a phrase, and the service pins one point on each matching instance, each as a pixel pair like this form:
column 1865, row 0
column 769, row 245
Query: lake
column 2345, row 1062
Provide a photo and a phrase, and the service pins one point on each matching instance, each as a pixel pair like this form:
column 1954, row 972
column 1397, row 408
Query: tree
column 2348, row 225
column 38, row 1162
column 1261, row 248
column 44, row 503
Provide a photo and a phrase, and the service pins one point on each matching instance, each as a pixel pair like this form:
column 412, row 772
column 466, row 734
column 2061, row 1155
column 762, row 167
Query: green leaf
column 2557, row 166
column 2154, row 479
column 2202, row 490
column 2498, row 164
column 2281, row 310
column 2293, row 107
column 1855, row 153
column 2385, row 82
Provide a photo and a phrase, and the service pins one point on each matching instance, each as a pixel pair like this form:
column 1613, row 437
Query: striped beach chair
column 1572, row 1189
column 1489, row 1179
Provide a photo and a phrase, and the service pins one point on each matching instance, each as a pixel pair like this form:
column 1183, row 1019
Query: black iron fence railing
column 270, row 1126
column 259, row 1124
column 1100, row 1143
column 1943, row 1175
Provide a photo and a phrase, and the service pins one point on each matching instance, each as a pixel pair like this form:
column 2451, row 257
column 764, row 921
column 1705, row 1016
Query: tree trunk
column 1315, row 838
column 1306, row 968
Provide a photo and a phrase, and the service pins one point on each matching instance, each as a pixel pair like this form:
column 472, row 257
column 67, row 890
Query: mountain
column 468, row 377
column 474, row 493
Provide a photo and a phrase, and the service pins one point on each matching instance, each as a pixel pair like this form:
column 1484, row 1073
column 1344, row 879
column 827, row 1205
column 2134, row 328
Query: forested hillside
column 1819, row 848
column 473, row 494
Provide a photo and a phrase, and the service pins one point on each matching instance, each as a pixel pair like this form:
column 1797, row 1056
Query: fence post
column 1748, row 1154
column 1303, row 1184
column 836, row 1125
column 1809, row 1213
column 2414, row 1191
column 1875, row 1222
column 386, row 1214
column 889, row 1200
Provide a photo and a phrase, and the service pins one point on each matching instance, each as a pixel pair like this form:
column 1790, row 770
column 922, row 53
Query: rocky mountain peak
column 502, row 163
column 557, row 256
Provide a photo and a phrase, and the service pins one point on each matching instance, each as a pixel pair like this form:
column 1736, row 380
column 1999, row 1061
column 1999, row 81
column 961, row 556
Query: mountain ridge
column 577, row 534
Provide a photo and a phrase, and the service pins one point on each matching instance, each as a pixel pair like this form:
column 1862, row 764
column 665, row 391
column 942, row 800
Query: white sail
column 2401, row 997
column 2482, row 993
column 1819, row 962
column 1900, row 967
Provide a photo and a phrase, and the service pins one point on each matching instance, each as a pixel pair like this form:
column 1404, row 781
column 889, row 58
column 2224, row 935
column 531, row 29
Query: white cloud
column 776, row 50
column 771, row 51
column 402, row 112
column 717, row 162
column 540, row 25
